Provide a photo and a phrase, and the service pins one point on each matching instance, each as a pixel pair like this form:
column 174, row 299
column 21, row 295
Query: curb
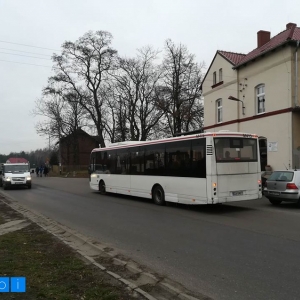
column 88, row 249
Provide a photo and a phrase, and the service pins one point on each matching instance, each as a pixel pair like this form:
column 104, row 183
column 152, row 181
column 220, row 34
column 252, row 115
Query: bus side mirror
column 89, row 170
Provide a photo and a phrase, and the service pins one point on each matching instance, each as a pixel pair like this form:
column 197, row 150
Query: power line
column 21, row 63
column 25, row 52
column 28, row 45
column 25, row 55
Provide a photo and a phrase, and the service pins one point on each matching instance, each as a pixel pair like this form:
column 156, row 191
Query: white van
column 15, row 174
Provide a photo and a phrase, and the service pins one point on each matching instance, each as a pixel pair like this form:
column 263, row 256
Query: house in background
column 259, row 93
column 14, row 160
column 77, row 147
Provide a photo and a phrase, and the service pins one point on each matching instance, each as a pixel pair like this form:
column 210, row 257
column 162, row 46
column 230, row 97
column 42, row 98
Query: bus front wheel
column 158, row 195
column 102, row 189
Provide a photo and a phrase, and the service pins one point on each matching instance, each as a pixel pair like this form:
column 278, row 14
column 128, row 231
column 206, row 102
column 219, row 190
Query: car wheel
column 102, row 188
column 158, row 195
column 275, row 201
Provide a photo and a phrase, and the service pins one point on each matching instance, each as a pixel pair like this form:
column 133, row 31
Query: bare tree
column 179, row 94
column 116, row 121
column 62, row 115
column 83, row 68
column 136, row 81
column 50, row 108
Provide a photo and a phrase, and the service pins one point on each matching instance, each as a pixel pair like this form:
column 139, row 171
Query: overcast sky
column 203, row 26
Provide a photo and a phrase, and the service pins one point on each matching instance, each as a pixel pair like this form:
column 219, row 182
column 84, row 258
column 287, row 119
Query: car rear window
column 281, row 176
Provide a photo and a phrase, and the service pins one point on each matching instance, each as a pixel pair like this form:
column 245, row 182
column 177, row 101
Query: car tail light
column 291, row 186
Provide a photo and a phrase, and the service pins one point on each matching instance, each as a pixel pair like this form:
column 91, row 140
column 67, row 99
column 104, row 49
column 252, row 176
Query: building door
column 263, row 150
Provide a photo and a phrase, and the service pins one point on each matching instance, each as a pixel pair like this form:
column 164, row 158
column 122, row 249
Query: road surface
column 248, row 250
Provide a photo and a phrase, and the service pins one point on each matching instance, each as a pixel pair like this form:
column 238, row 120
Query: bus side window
column 109, row 162
column 122, row 162
column 178, row 159
column 155, row 160
column 199, row 158
column 98, row 162
column 137, row 161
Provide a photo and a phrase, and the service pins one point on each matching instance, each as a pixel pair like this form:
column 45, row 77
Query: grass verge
column 52, row 269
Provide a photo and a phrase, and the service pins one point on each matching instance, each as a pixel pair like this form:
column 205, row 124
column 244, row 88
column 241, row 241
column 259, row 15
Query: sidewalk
column 52, row 269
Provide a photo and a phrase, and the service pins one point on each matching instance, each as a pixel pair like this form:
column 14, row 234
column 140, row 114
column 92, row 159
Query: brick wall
column 85, row 145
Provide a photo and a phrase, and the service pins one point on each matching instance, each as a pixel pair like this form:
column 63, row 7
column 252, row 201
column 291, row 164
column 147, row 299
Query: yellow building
column 259, row 93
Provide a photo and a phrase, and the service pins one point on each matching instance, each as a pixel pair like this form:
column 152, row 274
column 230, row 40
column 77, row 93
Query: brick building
column 76, row 148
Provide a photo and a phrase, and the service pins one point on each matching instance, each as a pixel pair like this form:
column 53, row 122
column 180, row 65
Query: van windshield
column 16, row 168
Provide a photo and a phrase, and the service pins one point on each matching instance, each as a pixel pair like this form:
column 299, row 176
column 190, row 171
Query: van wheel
column 158, row 195
column 275, row 201
column 102, row 188
column 5, row 187
column 29, row 186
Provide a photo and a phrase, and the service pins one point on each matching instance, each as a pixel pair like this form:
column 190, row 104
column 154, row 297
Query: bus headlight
column 93, row 175
column 28, row 178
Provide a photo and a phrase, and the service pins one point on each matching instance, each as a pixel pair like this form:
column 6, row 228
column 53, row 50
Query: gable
column 219, row 62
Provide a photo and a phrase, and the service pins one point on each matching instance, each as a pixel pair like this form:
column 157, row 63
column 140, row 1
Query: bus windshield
column 236, row 149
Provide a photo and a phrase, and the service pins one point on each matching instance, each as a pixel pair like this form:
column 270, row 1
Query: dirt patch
column 7, row 214
column 52, row 269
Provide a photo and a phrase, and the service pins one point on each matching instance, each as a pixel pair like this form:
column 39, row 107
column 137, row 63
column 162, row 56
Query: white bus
column 206, row 168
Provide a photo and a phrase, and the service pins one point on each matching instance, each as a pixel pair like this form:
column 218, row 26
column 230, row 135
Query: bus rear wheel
column 158, row 195
column 102, row 189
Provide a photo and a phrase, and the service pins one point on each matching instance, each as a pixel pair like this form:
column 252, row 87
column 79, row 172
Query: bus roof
column 221, row 133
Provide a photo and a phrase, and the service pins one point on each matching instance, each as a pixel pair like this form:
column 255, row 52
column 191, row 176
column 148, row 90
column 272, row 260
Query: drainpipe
column 296, row 102
column 296, row 75
column 238, row 96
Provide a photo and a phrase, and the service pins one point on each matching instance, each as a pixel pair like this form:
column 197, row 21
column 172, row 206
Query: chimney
column 263, row 37
column 290, row 25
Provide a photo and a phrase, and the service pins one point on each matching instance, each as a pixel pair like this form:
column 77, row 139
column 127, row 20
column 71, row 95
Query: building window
column 219, row 111
column 214, row 78
column 220, row 75
column 260, row 98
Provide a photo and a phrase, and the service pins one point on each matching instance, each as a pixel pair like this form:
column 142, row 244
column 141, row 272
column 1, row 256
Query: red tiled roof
column 232, row 57
column 14, row 160
column 291, row 34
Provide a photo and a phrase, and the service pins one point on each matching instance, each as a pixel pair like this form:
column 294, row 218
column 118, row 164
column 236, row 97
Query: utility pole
column 59, row 151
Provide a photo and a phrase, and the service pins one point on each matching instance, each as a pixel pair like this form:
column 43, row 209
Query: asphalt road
column 248, row 250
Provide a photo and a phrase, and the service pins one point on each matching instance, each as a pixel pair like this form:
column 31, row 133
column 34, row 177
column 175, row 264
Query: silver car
column 283, row 186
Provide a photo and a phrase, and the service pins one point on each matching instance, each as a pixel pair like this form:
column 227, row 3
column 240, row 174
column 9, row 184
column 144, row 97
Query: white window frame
column 214, row 78
column 219, row 110
column 260, row 97
column 220, row 75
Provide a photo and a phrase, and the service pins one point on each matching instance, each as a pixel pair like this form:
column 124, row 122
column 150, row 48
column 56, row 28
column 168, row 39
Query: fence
column 83, row 169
